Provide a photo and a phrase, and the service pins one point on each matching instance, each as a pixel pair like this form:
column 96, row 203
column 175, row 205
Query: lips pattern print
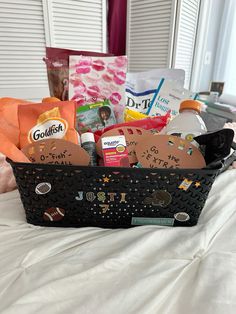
column 93, row 79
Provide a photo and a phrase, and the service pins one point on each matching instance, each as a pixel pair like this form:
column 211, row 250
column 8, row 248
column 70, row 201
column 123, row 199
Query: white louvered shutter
column 186, row 28
column 150, row 26
column 78, row 24
column 22, row 46
column 27, row 26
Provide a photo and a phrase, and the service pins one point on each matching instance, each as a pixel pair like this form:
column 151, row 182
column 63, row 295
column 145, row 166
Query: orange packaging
column 47, row 120
column 9, row 119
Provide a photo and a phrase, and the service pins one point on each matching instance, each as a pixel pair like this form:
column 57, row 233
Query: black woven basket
column 76, row 196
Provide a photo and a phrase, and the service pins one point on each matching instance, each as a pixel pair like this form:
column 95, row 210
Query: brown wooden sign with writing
column 56, row 151
column 167, row 151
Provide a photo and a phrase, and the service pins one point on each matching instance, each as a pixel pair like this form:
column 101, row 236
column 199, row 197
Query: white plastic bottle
column 188, row 123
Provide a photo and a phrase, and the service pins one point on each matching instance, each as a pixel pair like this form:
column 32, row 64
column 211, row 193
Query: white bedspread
column 147, row 269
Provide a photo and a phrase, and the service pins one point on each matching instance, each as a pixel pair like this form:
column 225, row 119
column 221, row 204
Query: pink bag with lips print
column 93, row 79
column 57, row 62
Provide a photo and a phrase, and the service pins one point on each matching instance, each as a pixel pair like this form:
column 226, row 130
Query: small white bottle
column 188, row 124
column 88, row 143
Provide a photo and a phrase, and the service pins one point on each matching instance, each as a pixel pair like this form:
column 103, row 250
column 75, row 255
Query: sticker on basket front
column 80, row 196
column 101, row 196
column 54, row 214
column 197, row 184
column 105, row 178
column 123, row 195
column 185, row 184
column 43, row 188
column 90, row 196
column 138, row 221
column 182, row 216
column 104, row 208
column 112, row 196
column 158, row 198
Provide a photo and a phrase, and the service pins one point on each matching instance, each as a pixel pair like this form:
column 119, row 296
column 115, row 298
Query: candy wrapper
column 95, row 79
column 57, row 62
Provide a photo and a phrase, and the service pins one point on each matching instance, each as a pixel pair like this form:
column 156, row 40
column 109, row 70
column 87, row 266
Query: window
column 215, row 48
column 225, row 64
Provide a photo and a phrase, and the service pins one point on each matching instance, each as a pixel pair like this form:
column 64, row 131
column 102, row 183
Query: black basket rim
column 114, row 169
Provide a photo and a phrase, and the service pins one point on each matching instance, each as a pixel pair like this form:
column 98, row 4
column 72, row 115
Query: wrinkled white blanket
column 149, row 269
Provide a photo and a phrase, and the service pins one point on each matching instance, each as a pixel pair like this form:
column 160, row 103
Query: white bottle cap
column 87, row 137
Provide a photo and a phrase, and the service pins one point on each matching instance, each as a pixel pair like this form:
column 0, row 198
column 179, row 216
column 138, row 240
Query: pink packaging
column 115, row 153
column 93, row 79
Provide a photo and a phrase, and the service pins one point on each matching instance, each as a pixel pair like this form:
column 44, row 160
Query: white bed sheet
column 146, row 269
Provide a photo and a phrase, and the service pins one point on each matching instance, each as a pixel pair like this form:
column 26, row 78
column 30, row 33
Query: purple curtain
column 117, row 26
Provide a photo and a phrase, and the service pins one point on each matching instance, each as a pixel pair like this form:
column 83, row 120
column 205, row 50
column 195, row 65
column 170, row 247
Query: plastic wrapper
column 151, row 123
column 57, row 62
column 93, row 117
column 95, row 79
column 47, row 120
column 168, row 96
column 131, row 115
column 142, row 86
